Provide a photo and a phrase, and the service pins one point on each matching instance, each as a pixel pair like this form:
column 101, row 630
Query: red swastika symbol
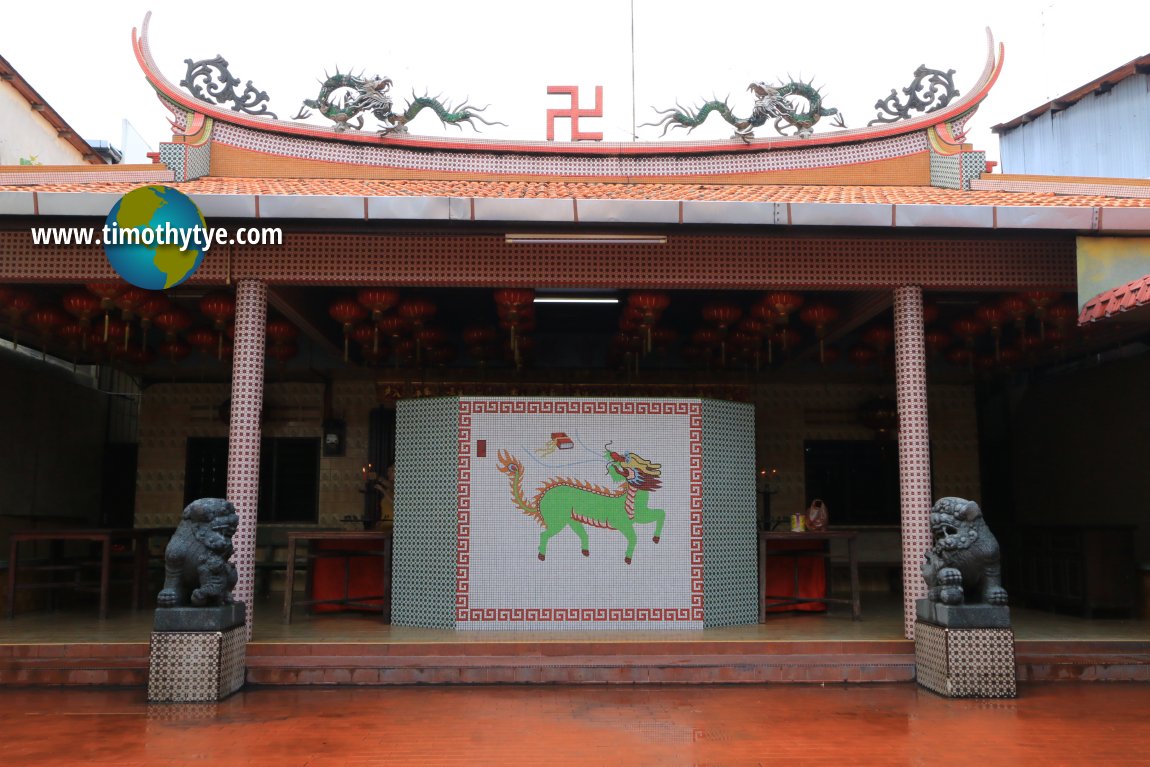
column 574, row 112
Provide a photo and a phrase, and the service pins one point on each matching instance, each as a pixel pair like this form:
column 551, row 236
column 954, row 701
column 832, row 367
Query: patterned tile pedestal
column 196, row 666
column 965, row 663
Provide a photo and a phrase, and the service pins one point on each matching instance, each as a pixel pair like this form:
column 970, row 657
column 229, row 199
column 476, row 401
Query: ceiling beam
column 860, row 309
column 303, row 322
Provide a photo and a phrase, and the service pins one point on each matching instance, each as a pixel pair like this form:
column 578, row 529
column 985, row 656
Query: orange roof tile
column 891, row 195
column 1116, row 301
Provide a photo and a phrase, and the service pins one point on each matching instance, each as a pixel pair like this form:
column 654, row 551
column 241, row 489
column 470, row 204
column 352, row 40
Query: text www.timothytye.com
column 196, row 237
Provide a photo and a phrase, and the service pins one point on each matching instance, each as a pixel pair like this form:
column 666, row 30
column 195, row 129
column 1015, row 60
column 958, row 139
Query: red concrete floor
column 1049, row 724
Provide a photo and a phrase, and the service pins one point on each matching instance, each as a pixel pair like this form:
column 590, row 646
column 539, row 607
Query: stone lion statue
column 962, row 565
column 196, row 567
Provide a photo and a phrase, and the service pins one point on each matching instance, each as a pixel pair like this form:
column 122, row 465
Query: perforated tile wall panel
column 426, row 512
column 686, row 261
column 196, row 666
column 965, row 663
column 549, row 540
column 729, row 578
column 487, row 163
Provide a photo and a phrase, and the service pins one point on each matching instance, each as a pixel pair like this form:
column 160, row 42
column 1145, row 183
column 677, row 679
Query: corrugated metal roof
column 1103, row 134
column 1139, row 66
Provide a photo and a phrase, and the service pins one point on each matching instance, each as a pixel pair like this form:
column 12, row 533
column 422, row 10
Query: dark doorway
column 857, row 480
column 289, row 476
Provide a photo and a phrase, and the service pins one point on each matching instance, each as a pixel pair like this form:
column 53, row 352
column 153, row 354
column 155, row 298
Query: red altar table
column 793, row 572
column 347, row 570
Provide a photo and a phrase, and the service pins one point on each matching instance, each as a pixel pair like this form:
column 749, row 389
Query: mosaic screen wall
column 423, row 567
column 730, row 577
column 580, row 513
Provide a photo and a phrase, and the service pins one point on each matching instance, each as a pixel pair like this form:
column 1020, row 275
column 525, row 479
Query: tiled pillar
column 244, row 433
column 913, row 444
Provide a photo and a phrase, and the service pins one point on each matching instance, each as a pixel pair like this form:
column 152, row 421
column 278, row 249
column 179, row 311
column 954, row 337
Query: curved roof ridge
column 960, row 107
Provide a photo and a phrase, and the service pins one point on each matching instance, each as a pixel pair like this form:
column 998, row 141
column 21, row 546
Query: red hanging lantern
column 18, row 303
column 480, row 335
column 514, row 297
column 82, row 305
column 1040, row 300
column 220, row 308
column 722, row 315
column 863, row 355
column 937, row 340
column 148, row 310
column 281, row 353
column 1018, row 308
column 74, row 335
column 174, row 350
column 513, row 305
column 117, row 331
column 106, row 292
column 393, row 325
column 130, row 298
column 172, row 321
column 347, row 312
column 416, row 311
column 365, row 335
column 649, row 307
column 377, row 301
column 281, row 331
column 128, row 301
column 431, row 336
column 649, row 304
column 879, row 336
column 45, row 320
column 992, row 317
column 819, row 316
column 960, row 355
column 779, row 306
column 706, row 338
column 966, row 329
column 201, row 338
column 755, row 327
column 1062, row 315
column 480, row 341
column 662, row 338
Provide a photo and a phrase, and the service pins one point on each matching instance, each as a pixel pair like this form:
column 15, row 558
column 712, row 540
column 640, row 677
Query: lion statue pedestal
column 198, row 637
column 964, row 646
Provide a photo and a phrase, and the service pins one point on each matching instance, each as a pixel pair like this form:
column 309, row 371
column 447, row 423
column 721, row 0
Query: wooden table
column 796, row 597
column 370, row 601
column 139, row 538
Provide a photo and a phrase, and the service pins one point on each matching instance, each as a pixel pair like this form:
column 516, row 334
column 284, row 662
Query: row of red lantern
column 374, row 302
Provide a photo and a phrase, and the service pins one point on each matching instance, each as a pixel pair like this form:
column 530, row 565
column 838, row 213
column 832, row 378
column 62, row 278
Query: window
column 857, row 480
column 289, row 476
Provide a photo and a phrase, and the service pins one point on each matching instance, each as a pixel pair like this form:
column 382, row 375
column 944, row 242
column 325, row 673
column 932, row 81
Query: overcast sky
column 505, row 54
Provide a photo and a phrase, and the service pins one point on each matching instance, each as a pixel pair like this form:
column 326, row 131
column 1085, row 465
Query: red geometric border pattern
column 464, row 613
